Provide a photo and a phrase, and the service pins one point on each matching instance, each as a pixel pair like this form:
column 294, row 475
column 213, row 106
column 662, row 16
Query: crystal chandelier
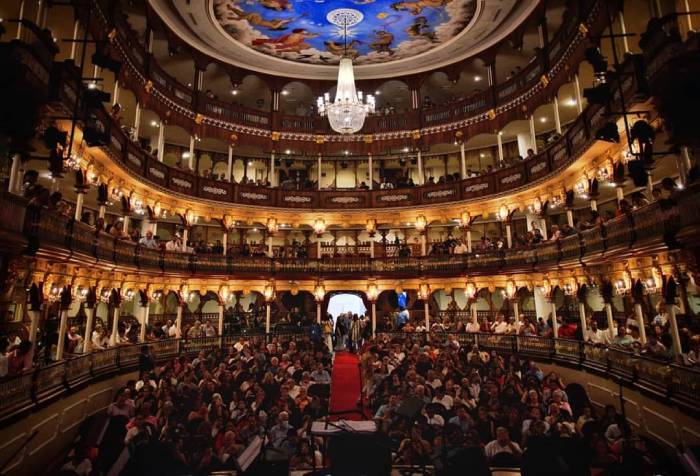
column 346, row 114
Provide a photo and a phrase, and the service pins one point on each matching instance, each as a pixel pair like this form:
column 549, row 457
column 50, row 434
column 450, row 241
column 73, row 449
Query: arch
column 297, row 98
column 251, row 92
column 393, row 96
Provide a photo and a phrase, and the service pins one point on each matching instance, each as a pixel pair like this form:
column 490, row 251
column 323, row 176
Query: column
column 611, row 321
column 542, row 307
column 620, row 194
column 14, row 173
column 374, row 318
column 570, row 217
column 191, row 157
column 623, row 31
column 20, row 16
column 185, row 237
column 582, row 319
column 224, row 242
column 557, row 120
column 115, row 92
column 509, row 235
column 577, row 93
column 371, row 247
column 115, row 327
column 555, row 323
column 268, row 310
column 673, row 329
column 101, row 211
column 33, row 328
column 421, row 174
column 318, row 312
column 269, row 246
column 426, row 310
column 472, row 308
column 79, row 198
column 424, row 243
column 89, row 321
column 684, row 165
column 144, row 321
column 469, row 240
column 318, row 173
column 272, row 179
column 126, row 222
column 516, row 310
column 594, row 204
column 371, row 171
column 74, row 44
column 499, row 143
column 178, row 321
column 229, row 168
column 220, row 328
column 533, row 136
column 639, row 313
column 137, row 121
column 463, row 160
column 62, row 327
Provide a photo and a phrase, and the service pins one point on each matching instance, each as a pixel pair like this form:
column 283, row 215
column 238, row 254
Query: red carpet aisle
column 345, row 385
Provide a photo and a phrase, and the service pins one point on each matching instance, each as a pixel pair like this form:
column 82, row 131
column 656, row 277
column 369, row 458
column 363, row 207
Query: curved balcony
column 485, row 111
column 647, row 229
column 669, row 382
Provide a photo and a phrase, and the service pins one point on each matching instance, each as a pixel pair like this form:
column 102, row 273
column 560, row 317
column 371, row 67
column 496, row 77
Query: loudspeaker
column 410, row 408
column 357, row 454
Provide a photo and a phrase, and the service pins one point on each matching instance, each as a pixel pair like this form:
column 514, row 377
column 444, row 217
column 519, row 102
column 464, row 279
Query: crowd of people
column 198, row 414
column 481, row 409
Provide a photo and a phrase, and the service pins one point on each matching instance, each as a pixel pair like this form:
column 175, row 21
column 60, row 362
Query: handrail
column 644, row 226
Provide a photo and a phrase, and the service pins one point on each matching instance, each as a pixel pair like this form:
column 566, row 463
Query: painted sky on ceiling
column 298, row 30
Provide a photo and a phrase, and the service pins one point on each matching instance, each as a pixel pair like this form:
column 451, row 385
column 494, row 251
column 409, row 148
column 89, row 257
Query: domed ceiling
column 296, row 38
column 385, row 30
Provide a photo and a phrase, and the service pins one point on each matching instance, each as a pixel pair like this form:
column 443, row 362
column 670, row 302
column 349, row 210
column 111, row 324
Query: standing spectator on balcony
column 74, row 341
column 208, row 329
column 18, row 360
column 98, row 338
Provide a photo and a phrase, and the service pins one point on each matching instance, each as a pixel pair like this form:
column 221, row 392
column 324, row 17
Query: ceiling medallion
column 346, row 114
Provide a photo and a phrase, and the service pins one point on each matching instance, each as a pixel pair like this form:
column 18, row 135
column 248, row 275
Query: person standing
column 327, row 329
column 355, row 333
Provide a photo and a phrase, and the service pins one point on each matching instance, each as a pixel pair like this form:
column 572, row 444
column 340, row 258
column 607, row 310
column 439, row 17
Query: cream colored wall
column 668, row 425
column 57, row 425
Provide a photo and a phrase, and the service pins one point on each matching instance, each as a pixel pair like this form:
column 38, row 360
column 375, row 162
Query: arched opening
column 342, row 302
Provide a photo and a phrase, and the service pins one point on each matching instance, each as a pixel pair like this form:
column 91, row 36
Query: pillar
column 371, row 171
column 684, row 165
column 371, row 247
column 137, row 121
column 318, row 312
column 178, row 321
column 640, row 323
column 229, row 168
column 115, row 92
column 115, row 327
column 577, row 93
column 555, row 323
column 269, row 246
column 611, row 321
column 557, row 120
column 14, row 174
column 469, row 241
column 509, row 236
column 533, row 136
column 472, row 308
column 542, row 307
column 79, row 198
column 570, row 217
column 424, row 243
column 62, row 327
column 673, row 329
column 33, row 328
column 516, row 311
column 220, row 327
column 594, row 205
column 318, row 167
column 191, row 157
column 582, row 319
column 144, row 322
column 272, row 179
column 126, row 221
column 268, row 310
column 463, row 160
column 499, row 143
column 620, row 194
column 89, row 321
column 623, row 32
column 185, row 237
column 426, row 310
column 421, row 174
column 101, row 211
column 20, row 16
column 224, row 242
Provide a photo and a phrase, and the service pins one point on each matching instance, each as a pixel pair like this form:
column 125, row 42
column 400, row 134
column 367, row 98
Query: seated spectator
column 149, row 241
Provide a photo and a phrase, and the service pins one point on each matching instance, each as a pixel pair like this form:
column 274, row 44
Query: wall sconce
column 155, row 295
column 546, row 287
column 272, row 226
column 511, row 289
column 128, row 294
column 537, row 205
column 464, row 220
column 568, row 289
column 581, row 188
column 372, row 292
column 319, row 227
column 319, row 291
column 55, row 293
column 269, row 292
column 503, row 213
column 421, row 224
column 470, row 290
column 423, row 291
column 650, row 285
column 189, row 217
column 371, row 227
column 621, row 286
column 294, row 288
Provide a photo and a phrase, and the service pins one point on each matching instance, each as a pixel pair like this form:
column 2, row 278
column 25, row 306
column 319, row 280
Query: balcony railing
column 653, row 225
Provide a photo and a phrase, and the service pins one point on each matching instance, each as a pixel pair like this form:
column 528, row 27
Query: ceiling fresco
column 299, row 30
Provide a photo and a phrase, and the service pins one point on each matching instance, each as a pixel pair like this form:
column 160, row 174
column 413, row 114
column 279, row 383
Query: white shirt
column 461, row 249
column 501, row 328
column 446, row 401
column 172, row 331
column 494, row 447
column 436, row 420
